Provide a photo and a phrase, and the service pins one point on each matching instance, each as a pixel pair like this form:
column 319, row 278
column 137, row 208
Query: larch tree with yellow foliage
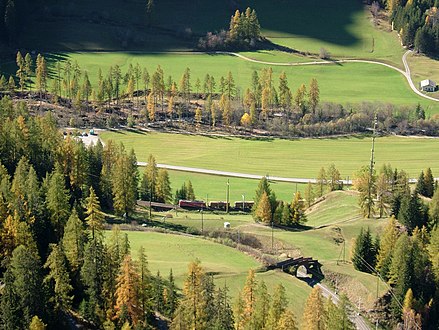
column 314, row 316
column 127, row 305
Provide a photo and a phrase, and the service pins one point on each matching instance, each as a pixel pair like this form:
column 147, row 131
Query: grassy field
column 338, row 206
column 344, row 27
column 289, row 158
column 166, row 251
column 422, row 68
column 213, row 188
column 388, row 85
column 324, row 244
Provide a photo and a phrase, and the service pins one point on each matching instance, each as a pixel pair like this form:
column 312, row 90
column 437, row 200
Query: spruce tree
column 95, row 217
column 411, row 212
column 58, row 279
column 428, row 183
column 364, row 252
column 74, row 241
column 223, row 315
column 57, row 201
column 28, row 283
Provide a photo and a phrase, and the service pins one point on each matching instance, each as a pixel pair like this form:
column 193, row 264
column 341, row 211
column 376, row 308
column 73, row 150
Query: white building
column 428, row 85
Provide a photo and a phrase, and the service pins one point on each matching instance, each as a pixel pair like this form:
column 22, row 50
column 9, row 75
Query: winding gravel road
column 405, row 73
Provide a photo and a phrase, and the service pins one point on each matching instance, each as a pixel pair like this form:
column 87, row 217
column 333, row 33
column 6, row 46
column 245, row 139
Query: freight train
column 216, row 205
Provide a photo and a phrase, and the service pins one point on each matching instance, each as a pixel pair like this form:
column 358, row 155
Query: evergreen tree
column 11, row 85
column 150, row 180
column 401, row 271
column 190, row 194
column 170, row 296
column 428, row 183
column 223, row 315
column 58, row 279
column 411, row 212
column 263, row 186
column 25, row 267
column 95, row 217
column 11, row 314
column 314, row 316
column 364, row 252
column 92, row 275
column 386, row 248
column 145, row 290
column 420, row 185
column 57, row 201
column 74, row 241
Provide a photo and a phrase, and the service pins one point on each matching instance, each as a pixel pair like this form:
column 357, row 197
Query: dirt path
column 405, row 73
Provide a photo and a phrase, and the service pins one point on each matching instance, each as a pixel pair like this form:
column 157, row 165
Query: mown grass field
column 338, row 83
column 288, row 158
column 166, row 251
column 213, row 188
column 323, row 242
column 422, row 68
column 344, row 27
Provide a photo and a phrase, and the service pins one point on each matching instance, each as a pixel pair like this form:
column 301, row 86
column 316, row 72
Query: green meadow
column 229, row 266
column 337, row 82
column 300, row 158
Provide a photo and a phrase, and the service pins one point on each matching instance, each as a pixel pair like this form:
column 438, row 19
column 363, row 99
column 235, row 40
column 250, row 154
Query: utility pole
column 243, row 202
column 372, row 163
column 227, row 196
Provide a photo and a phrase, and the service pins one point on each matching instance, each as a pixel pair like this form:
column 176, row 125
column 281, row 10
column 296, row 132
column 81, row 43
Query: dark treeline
column 406, row 254
column 54, row 255
column 269, row 104
column 417, row 22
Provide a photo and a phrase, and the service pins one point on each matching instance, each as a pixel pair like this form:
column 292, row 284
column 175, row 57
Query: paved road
column 405, row 73
column 235, row 174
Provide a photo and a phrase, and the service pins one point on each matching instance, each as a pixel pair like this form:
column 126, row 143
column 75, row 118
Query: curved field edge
column 229, row 266
column 341, row 83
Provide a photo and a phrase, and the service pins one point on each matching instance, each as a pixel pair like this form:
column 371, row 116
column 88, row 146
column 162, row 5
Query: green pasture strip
column 341, row 83
column 337, row 206
column 300, row 158
column 213, row 188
